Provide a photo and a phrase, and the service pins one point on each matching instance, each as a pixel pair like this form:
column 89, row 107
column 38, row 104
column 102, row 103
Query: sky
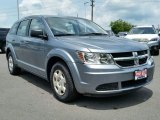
column 137, row 12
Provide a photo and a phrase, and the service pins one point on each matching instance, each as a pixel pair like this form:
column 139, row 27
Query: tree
column 120, row 26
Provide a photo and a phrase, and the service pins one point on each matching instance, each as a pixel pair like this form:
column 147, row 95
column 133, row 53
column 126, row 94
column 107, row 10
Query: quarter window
column 14, row 29
column 22, row 30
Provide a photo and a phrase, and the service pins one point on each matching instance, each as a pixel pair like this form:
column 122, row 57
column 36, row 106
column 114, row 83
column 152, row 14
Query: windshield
column 70, row 26
column 144, row 30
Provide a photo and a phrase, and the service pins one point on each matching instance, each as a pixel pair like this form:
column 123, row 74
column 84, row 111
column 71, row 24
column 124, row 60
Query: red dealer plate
column 140, row 74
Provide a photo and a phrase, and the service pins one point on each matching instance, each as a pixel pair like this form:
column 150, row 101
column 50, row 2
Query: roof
column 45, row 16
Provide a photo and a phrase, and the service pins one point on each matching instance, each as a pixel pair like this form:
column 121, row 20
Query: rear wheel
column 62, row 84
column 3, row 49
column 13, row 69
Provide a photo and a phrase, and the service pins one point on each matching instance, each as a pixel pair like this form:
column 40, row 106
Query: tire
column 3, row 49
column 12, row 67
column 156, row 53
column 62, row 84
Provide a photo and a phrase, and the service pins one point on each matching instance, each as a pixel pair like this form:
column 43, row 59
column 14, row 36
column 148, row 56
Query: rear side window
column 23, row 28
column 14, row 29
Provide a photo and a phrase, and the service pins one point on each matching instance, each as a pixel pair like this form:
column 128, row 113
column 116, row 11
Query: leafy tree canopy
column 120, row 26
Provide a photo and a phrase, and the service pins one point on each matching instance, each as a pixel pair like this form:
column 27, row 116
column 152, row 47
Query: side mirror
column 125, row 34
column 38, row 34
column 159, row 33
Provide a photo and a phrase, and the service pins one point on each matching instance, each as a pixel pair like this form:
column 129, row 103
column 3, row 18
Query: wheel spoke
column 59, row 91
column 63, row 89
column 55, row 83
column 56, row 76
column 63, row 82
column 59, row 73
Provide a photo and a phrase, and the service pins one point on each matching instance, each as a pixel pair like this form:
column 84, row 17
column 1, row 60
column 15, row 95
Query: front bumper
column 117, row 80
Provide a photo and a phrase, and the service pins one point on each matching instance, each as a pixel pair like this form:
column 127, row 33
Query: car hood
column 142, row 36
column 104, row 43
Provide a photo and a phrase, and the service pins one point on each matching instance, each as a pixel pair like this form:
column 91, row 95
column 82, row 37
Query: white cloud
column 136, row 12
column 54, row 7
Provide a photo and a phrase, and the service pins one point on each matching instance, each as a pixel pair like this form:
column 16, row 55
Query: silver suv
column 76, row 56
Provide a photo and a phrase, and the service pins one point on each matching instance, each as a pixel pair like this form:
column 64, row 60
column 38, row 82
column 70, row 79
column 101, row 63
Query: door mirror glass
column 125, row 34
column 38, row 34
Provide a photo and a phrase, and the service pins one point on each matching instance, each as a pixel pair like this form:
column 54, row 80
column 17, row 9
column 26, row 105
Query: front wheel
column 13, row 69
column 61, row 83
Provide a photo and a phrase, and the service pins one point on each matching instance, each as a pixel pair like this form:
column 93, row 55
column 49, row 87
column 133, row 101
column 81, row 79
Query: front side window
column 71, row 26
column 22, row 30
column 35, row 25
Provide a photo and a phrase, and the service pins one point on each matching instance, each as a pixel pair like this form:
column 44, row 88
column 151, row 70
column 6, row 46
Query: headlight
column 154, row 39
column 95, row 58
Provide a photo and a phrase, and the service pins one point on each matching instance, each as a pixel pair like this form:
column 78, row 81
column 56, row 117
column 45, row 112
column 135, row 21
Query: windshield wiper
column 64, row 35
column 94, row 34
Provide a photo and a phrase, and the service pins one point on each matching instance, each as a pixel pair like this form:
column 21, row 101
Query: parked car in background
column 159, row 39
column 3, row 34
column 122, row 34
column 110, row 33
column 77, row 56
column 147, row 35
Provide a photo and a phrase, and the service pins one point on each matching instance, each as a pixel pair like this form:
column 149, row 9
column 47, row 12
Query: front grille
column 129, row 59
column 133, row 83
column 109, row 86
column 125, row 54
column 127, row 63
column 142, row 52
column 142, row 61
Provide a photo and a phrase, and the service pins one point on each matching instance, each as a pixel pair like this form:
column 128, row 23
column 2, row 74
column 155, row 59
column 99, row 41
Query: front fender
column 61, row 54
column 71, row 63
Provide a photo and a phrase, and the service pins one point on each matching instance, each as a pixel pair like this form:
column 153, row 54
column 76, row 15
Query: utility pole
column 18, row 8
column 85, row 7
column 92, row 5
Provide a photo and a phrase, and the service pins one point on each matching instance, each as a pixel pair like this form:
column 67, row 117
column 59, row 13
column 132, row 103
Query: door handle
column 26, row 42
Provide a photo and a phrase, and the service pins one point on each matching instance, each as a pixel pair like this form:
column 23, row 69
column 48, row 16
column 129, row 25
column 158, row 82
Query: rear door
column 22, row 34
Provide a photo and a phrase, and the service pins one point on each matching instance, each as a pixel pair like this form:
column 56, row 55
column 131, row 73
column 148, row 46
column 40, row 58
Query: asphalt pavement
column 28, row 97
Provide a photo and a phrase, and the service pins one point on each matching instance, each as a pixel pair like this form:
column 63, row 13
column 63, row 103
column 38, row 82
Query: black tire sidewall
column 3, row 49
